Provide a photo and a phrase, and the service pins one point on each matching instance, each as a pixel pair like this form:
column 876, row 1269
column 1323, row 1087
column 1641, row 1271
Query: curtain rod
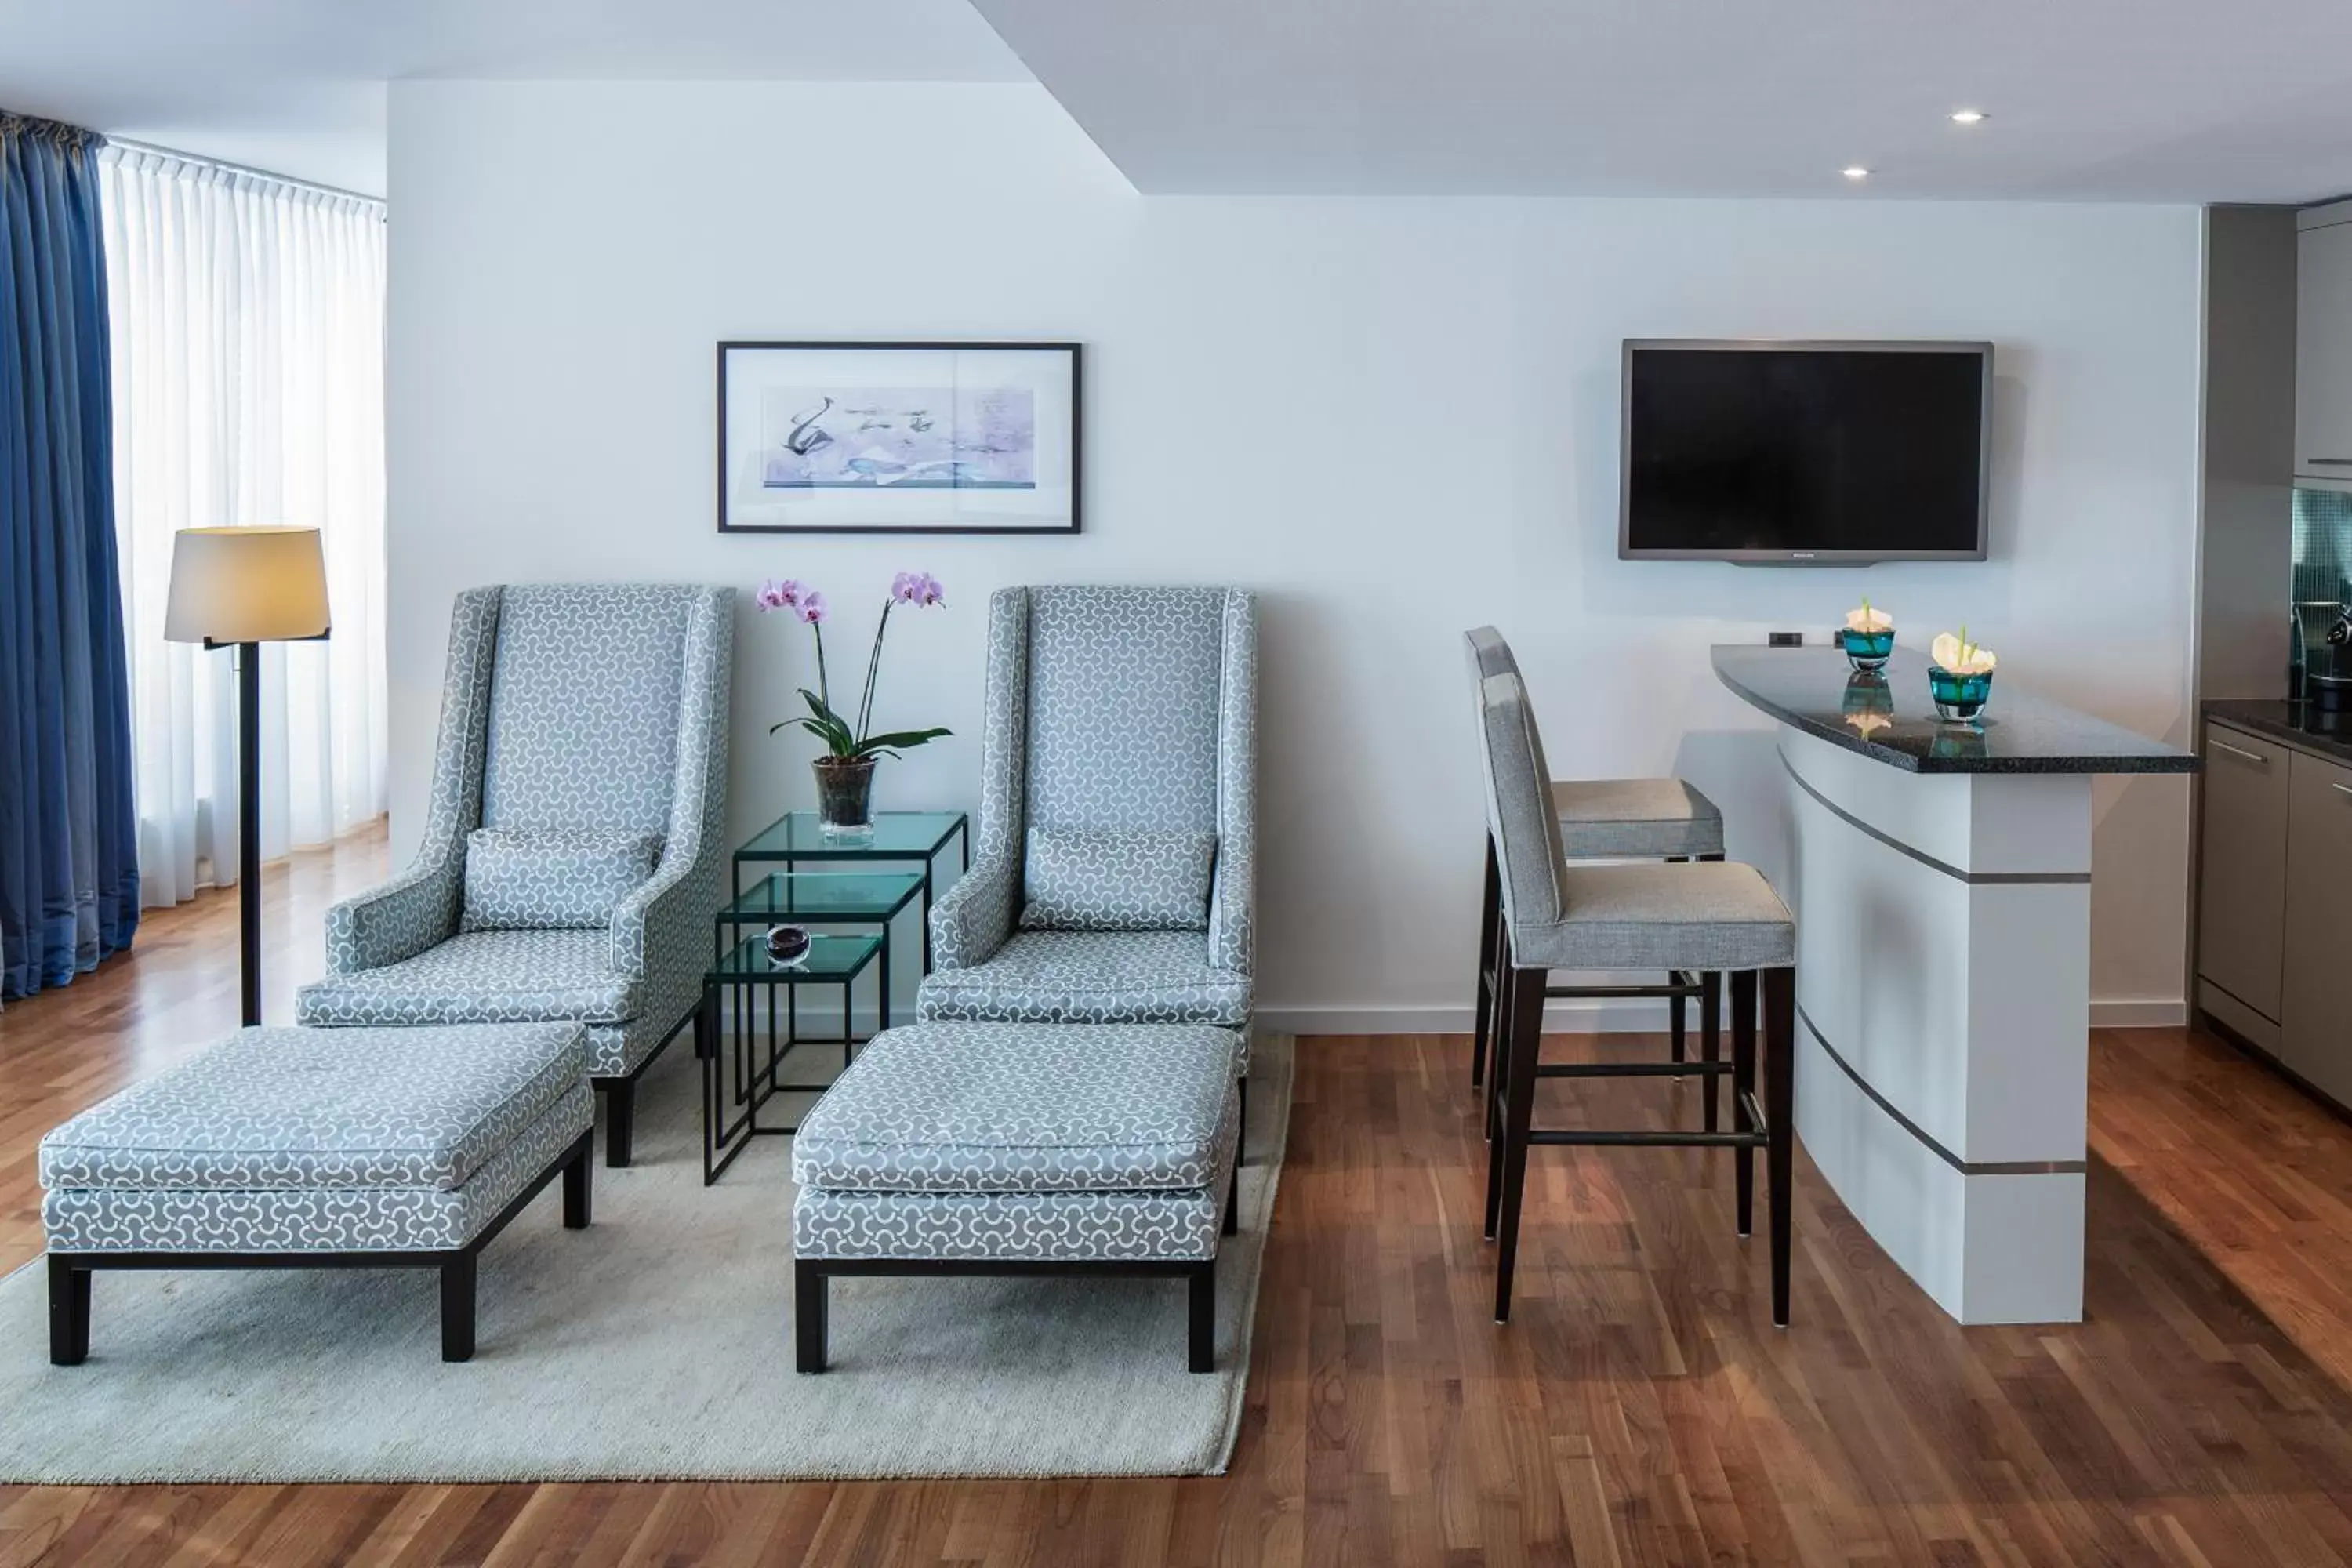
column 201, row 161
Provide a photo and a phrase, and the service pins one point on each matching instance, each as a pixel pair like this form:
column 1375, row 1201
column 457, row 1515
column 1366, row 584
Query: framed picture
column 826, row 437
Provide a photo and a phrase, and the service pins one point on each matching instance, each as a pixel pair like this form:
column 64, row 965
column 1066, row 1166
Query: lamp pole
column 249, row 824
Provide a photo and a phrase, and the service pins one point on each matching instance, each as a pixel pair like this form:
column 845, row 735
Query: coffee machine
column 2323, row 653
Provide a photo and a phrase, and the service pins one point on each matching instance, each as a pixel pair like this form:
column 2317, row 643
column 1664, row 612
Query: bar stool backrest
column 1519, row 815
column 1488, row 654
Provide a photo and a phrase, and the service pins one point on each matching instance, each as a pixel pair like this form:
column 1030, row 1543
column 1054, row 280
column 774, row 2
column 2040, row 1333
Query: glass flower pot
column 844, row 795
column 1867, row 650
column 1959, row 698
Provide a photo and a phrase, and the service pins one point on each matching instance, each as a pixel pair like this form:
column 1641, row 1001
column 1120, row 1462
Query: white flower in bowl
column 1867, row 619
column 1961, row 656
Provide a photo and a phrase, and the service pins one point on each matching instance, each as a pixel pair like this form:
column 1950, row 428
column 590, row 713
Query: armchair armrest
column 415, row 910
column 974, row 917
column 1232, row 918
column 669, row 914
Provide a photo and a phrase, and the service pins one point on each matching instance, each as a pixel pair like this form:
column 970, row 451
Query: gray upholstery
column 292, row 1140
column 1023, row 1108
column 1079, row 878
column 1108, row 712
column 1704, row 916
column 1093, row 977
column 585, row 709
column 1022, row 1143
column 552, row 879
column 1634, row 819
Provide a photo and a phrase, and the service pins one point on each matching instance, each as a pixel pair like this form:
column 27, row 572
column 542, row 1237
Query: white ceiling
column 297, row 86
column 2114, row 99
column 2126, row 99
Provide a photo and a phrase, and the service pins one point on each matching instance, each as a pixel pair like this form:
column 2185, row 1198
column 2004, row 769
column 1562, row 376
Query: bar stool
column 1616, row 819
column 1707, row 916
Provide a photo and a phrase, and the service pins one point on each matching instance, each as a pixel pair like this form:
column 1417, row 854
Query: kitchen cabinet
column 2323, row 362
column 2242, row 890
column 2315, row 1002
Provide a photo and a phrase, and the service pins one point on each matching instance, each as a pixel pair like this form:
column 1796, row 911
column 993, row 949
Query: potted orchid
column 1960, row 677
column 845, row 774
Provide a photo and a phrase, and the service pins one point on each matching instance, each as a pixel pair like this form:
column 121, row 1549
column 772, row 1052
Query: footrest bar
column 1635, row 1070
column 1648, row 1140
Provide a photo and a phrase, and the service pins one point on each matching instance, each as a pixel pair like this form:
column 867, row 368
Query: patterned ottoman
column 309, row 1148
column 966, row 1148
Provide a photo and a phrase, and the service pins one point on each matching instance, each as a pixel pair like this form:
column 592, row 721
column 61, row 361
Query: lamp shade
column 246, row 584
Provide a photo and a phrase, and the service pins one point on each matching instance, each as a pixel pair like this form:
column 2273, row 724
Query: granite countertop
column 2326, row 732
column 1891, row 718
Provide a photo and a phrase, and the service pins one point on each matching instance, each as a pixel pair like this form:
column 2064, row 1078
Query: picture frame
column 825, row 437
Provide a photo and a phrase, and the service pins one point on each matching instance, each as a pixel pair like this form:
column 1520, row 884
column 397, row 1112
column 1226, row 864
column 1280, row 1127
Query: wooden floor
column 1639, row 1409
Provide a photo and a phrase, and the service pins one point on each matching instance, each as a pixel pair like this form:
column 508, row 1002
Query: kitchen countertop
column 1891, row 720
column 2327, row 732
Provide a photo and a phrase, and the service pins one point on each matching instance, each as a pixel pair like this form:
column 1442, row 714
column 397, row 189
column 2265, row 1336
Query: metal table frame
column 728, row 1131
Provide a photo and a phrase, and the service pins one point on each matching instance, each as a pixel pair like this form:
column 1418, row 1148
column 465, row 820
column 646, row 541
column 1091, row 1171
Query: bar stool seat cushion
column 1709, row 915
column 1640, row 820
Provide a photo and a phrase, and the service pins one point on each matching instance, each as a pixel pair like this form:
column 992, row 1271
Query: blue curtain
column 68, row 833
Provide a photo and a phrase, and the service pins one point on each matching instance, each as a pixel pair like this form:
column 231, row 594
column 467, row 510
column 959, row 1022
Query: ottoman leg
column 579, row 1178
column 1201, row 1335
column 68, row 1313
column 457, row 1308
column 1233, row 1200
column 808, row 1316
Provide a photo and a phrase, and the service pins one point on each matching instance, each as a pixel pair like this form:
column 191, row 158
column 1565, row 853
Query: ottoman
column 969, row 1148
column 288, row 1148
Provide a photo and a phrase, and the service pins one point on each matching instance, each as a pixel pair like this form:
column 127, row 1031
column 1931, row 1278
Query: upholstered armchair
column 1114, row 872
column 573, row 848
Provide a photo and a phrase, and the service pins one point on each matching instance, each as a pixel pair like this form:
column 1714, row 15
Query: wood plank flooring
column 1640, row 1409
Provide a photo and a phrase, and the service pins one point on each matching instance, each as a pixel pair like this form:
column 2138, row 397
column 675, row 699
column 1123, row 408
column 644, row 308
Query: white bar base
column 1943, row 986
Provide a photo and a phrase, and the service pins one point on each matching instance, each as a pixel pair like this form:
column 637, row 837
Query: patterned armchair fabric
column 593, row 709
column 1110, row 711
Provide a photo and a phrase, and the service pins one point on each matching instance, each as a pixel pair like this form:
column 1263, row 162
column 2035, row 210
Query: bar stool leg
column 1743, row 1084
column 1780, row 1117
column 1710, row 1039
column 1498, row 1091
column 1522, row 1046
column 1490, row 908
column 1675, row 1014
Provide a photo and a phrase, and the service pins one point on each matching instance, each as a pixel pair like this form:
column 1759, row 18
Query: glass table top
column 830, row 958
column 824, row 895
column 797, row 835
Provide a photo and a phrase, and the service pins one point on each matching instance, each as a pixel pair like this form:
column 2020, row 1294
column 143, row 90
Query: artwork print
column 899, row 438
column 929, row 438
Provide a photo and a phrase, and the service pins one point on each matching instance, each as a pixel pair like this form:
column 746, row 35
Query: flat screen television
column 1804, row 453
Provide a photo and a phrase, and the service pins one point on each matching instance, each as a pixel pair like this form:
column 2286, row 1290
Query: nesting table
column 794, row 872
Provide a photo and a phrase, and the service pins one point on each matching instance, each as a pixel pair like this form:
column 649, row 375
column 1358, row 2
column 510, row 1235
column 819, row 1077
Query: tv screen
column 1787, row 452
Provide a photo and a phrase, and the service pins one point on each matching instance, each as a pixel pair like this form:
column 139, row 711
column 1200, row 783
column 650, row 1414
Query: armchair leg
column 620, row 1120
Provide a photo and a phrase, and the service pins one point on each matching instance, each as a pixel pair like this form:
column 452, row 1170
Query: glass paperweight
column 1867, row 650
column 1960, row 698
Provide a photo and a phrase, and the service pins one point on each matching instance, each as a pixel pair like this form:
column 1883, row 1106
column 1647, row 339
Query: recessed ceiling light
column 1856, row 172
column 1968, row 117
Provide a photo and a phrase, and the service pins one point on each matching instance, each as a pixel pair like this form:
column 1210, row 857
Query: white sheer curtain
column 247, row 325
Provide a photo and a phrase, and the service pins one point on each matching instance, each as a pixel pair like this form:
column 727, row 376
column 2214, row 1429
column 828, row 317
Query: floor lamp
column 241, row 587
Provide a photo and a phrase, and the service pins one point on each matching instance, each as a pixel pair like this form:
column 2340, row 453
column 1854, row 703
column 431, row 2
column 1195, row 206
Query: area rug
column 655, row 1345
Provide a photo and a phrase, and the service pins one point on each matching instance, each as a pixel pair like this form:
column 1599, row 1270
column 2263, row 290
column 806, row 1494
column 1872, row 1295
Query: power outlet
column 1784, row 640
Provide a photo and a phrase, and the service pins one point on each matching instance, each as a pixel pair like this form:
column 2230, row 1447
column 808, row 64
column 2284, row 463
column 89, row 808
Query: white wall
column 1394, row 419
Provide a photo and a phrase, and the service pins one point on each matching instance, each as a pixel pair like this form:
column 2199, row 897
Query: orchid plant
column 846, row 741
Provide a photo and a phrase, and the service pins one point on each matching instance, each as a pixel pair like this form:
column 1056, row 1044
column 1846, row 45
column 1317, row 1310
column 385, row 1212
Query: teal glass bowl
column 1867, row 650
column 1960, row 698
